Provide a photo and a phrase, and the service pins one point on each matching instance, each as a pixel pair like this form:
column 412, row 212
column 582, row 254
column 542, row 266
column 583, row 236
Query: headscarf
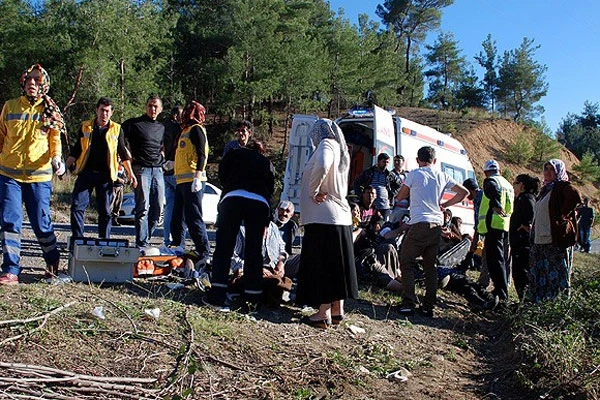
column 561, row 176
column 51, row 117
column 193, row 113
column 327, row 129
column 559, row 168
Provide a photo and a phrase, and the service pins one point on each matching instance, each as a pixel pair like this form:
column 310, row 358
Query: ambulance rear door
column 384, row 139
column 300, row 149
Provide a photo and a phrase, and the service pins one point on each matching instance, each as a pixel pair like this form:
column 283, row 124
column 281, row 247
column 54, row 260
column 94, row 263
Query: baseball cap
column 491, row 165
column 471, row 184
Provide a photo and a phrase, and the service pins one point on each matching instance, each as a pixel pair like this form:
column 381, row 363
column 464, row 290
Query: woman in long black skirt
column 327, row 274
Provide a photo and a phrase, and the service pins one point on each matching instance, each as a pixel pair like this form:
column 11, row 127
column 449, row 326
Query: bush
column 560, row 339
column 519, row 152
column 588, row 169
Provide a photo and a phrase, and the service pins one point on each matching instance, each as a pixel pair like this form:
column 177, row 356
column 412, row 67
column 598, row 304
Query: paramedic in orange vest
column 494, row 221
column 30, row 150
column 95, row 158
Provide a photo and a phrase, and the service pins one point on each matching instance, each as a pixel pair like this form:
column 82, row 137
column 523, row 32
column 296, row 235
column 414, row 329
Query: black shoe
column 215, row 305
column 406, row 310
column 491, row 304
column 115, row 222
column 426, row 312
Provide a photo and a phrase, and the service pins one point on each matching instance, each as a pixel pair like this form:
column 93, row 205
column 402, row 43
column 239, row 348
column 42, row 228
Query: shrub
column 560, row 339
column 587, row 169
column 520, row 151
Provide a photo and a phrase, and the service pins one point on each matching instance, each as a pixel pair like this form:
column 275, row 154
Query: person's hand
column 320, row 197
column 279, row 269
column 499, row 211
column 196, row 185
column 134, row 181
column 70, row 164
column 446, row 233
column 58, row 166
column 267, row 273
column 168, row 165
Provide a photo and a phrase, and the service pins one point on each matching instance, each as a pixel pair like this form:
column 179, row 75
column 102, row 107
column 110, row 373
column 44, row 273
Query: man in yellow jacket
column 95, row 155
column 30, row 151
column 494, row 220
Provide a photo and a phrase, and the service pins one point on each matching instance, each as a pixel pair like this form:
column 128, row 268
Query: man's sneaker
column 406, row 310
column 9, row 279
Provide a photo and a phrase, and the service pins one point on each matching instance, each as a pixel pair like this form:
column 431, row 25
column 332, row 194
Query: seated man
column 377, row 258
column 288, row 228
column 275, row 280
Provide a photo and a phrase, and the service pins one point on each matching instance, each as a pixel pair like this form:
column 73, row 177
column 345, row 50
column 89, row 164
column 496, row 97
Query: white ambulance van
column 369, row 132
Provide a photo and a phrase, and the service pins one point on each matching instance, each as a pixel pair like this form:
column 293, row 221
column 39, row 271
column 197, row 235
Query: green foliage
column 247, row 58
column 588, row 169
column 544, row 148
column 410, row 21
column 487, row 59
column 521, row 82
column 560, row 338
column 520, row 151
column 581, row 133
column 446, row 70
column 303, row 394
column 468, row 93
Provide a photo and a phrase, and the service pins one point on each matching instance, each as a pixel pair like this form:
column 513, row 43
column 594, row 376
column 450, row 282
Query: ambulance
column 371, row 131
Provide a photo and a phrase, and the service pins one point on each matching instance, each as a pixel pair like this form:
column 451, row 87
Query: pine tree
column 521, row 82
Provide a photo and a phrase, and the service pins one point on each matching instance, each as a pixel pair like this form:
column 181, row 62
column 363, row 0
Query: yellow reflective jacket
column 112, row 140
column 26, row 146
column 186, row 157
column 507, row 196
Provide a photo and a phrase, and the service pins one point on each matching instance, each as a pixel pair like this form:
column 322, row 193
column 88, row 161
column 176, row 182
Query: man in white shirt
column 425, row 187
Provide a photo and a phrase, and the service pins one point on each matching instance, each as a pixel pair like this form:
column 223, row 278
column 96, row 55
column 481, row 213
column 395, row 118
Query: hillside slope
column 486, row 138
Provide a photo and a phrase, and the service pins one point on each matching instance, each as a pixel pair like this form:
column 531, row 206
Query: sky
column 567, row 31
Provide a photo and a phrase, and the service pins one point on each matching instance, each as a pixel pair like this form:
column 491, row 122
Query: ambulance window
column 458, row 174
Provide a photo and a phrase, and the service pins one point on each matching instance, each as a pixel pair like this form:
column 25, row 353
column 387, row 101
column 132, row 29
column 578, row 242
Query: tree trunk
column 122, row 72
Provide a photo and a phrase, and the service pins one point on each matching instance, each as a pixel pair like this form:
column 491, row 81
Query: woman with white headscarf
column 327, row 274
column 554, row 234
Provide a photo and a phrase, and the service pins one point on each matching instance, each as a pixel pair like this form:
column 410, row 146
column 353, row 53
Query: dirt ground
column 196, row 353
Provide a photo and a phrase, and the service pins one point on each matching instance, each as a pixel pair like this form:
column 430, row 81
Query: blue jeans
column 36, row 197
column 85, row 183
column 188, row 205
column 585, row 234
column 149, row 201
column 170, row 187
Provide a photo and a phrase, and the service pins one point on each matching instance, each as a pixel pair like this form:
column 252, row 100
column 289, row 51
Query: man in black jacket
column 248, row 180
column 145, row 138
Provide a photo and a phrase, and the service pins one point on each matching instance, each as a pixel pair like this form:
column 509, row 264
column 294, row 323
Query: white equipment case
column 102, row 260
